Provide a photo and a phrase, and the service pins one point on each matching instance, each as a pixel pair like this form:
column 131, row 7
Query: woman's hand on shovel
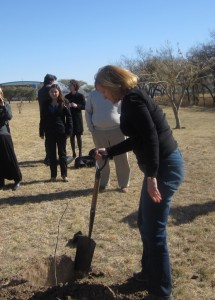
column 100, row 153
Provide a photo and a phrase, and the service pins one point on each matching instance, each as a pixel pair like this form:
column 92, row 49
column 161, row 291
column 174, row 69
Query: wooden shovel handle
column 95, row 195
column 94, row 202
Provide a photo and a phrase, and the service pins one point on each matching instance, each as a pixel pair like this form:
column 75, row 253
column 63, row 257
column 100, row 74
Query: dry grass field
column 39, row 219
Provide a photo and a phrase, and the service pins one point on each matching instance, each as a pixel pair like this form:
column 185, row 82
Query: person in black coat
column 77, row 104
column 56, row 126
column 158, row 157
column 9, row 168
column 43, row 95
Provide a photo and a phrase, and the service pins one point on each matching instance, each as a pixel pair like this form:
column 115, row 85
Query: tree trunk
column 210, row 92
column 176, row 114
column 203, row 94
column 188, row 95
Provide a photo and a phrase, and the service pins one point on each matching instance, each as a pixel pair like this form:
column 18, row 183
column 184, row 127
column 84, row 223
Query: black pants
column 79, row 143
column 55, row 142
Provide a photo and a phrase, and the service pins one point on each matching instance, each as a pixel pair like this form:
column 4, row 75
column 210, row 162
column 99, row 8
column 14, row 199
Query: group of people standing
column 130, row 113
column 61, row 118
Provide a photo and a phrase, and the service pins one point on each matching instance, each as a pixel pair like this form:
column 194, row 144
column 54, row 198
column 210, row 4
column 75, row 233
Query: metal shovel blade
column 84, row 254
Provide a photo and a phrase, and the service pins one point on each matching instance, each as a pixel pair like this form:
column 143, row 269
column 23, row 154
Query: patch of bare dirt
column 55, row 278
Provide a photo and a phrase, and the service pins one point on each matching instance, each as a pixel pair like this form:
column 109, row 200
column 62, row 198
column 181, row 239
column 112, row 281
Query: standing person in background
column 9, row 168
column 77, row 104
column 56, row 125
column 43, row 95
column 159, row 158
column 103, row 119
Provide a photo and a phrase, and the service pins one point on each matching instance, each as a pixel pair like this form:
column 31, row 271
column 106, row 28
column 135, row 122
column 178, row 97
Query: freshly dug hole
column 50, row 271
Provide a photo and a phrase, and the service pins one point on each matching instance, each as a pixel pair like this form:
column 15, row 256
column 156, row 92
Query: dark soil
column 55, row 279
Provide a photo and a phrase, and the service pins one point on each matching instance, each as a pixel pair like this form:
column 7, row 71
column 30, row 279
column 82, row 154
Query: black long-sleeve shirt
column 76, row 112
column 55, row 120
column 149, row 134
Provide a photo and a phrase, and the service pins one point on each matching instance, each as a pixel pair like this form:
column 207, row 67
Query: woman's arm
column 122, row 147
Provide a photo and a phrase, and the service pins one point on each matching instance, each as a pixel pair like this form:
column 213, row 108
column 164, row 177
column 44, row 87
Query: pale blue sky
column 73, row 38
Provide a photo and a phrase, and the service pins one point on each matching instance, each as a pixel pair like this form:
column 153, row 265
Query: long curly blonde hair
column 116, row 79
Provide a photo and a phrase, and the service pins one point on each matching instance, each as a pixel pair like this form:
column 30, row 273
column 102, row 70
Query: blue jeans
column 152, row 222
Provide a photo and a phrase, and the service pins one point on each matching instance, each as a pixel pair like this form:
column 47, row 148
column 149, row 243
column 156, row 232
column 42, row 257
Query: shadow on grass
column 34, row 163
column 131, row 219
column 30, row 163
column 19, row 200
column 180, row 214
column 186, row 214
column 8, row 186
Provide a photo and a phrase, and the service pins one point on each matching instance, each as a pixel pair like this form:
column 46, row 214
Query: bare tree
column 203, row 56
column 20, row 106
column 167, row 73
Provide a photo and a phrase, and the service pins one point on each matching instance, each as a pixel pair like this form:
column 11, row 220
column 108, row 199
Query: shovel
column 86, row 245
